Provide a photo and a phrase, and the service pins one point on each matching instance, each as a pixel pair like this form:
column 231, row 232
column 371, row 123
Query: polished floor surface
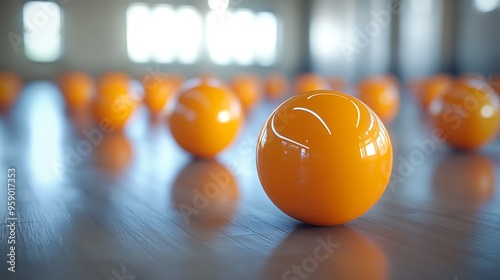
column 135, row 206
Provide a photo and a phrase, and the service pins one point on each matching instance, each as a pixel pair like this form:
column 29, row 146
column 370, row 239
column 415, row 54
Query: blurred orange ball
column 114, row 104
column 381, row 95
column 115, row 110
column 309, row 82
column 113, row 84
column 10, row 86
column 205, row 117
column 276, row 86
column 432, row 88
column 248, row 89
column 157, row 91
column 468, row 114
column 324, row 157
column 77, row 89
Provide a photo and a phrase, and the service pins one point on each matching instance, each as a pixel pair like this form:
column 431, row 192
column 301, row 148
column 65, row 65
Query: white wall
column 478, row 43
column 351, row 38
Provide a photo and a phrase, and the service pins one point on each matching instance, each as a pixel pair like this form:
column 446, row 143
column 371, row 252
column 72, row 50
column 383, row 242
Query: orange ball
column 113, row 84
column 115, row 110
column 77, row 89
column 468, row 114
column 248, row 90
column 157, row 91
column 324, row 157
column 381, row 95
column 10, row 86
column 309, row 82
column 432, row 88
column 205, row 117
column 276, row 86
column 114, row 104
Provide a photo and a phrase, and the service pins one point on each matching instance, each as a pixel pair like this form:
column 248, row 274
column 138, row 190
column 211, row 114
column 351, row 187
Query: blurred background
column 352, row 38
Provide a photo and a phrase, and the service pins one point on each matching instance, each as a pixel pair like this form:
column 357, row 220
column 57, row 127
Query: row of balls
column 115, row 103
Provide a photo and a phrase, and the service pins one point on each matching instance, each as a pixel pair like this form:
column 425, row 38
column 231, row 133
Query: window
column 163, row 34
column 267, row 27
column 189, row 27
column 163, row 19
column 242, row 37
column 138, row 33
column 219, row 38
column 42, row 31
column 245, row 37
column 486, row 5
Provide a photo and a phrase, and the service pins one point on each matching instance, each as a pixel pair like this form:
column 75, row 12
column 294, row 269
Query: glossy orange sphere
column 276, row 86
column 324, row 157
column 309, row 82
column 432, row 88
column 10, row 86
column 381, row 95
column 77, row 89
column 157, row 91
column 248, row 89
column 468, row 114
column 205, row 117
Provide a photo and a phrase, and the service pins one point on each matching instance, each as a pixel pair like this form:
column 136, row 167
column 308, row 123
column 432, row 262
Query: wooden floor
column 135, row 206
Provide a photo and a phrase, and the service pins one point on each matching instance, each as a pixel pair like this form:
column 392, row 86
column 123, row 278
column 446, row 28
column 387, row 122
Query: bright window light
column 486, row 5
column 163, row 30
column 323, row 38
column 218, row 32
column 244, row 36
column 42, row 31
column 188, row 36
column 139, row 32
column 266, row 38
